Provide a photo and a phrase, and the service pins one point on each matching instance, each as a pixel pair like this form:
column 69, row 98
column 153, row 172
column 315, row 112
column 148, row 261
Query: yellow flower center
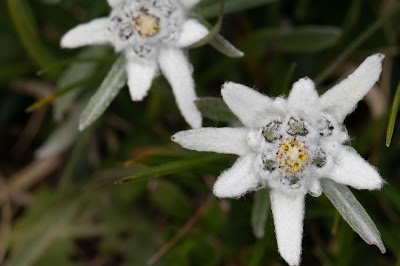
column 293, row 156
column 148, row 24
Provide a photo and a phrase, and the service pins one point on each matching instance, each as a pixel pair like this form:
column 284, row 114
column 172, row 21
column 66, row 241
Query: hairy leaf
column 259, row 213
column 353, row 212
column 215, row 109
column 109, row 88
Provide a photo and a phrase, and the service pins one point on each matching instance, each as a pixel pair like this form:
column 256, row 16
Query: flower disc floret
column 292, row 150
column 292, row 156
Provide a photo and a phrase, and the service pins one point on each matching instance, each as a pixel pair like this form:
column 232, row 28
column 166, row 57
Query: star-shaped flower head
column 151, row 34
column 289, row 145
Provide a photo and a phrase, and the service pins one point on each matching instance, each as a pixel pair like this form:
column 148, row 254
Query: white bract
column 151, row 34
column 288, row 145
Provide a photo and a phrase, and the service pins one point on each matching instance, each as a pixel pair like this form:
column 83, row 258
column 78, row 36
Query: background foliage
column 59, row 203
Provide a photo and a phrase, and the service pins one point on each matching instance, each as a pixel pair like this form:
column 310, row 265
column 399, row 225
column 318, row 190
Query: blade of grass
column 49, row 99
column 67, row 62
column 169, row 168
column 288, row 79
column 393, row 115
column 356, row 43
column 27, row 31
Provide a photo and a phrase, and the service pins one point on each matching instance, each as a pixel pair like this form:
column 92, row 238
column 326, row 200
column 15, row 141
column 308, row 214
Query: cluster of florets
column 143, row 25
column 291, row 150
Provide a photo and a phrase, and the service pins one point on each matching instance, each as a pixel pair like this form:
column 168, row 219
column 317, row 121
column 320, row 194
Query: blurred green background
column 64, row 208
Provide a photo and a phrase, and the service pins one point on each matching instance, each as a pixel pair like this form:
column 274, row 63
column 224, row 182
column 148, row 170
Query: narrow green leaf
column 353, row 212
column 304, row 39
column 219, row 42
column 225, row 47
column 169, row 168
column 259, row 213
column 215, row 109
column 78, row 60
column 28, row 32
column 64, row 136
column 214, row 31
column 288, row 79
column 108, row 90
column 49, row 99
column 358, row 40
column 13, row 70
column 352, row 17
column 393, row 115
column 210, row 8
column 80, row 68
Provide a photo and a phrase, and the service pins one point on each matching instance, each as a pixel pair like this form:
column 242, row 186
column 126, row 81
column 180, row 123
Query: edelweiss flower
column 288, row 145
column 151, row 34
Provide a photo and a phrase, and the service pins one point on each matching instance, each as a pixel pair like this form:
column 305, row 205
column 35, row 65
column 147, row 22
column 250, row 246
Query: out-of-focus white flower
column 288, row 145
column 151, row 34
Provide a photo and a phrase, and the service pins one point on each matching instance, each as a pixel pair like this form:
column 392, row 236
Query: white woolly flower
column 151, row 34
column 288, row 145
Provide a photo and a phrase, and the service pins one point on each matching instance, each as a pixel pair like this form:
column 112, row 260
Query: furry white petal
column 351, row 169
column 303, row 96
column 247, row 104
column 221, row 140
column 189, row 3
column 115, row 3
column 315, row 188
column 342, row 99
column 93, row 32
column 192, row 31
column 237, row 180
column 288, row 213
column 140, row 77
column 176, row 68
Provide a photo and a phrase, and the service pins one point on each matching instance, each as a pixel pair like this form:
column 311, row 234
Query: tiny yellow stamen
column 292, row 156
column 295, row 167
column 285, row 147
column 156, row 27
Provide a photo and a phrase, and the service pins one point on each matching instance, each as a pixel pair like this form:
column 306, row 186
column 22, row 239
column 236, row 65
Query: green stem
column 393, row 115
